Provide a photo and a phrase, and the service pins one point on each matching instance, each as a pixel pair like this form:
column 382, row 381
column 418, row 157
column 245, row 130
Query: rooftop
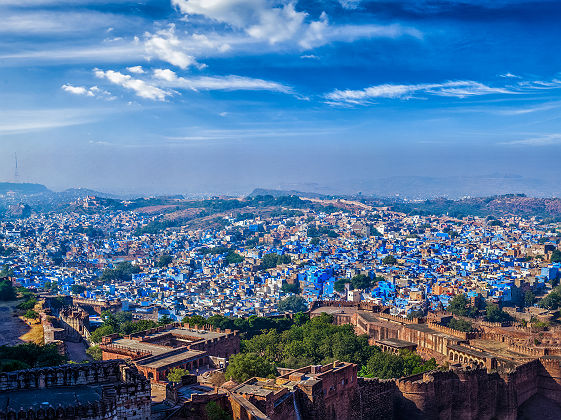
column 38, row 398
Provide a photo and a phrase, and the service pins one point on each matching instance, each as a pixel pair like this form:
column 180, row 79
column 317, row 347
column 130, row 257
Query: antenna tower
column 16, row 173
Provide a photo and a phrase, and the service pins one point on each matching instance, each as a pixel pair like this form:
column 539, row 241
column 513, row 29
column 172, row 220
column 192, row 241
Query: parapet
column 121, row 390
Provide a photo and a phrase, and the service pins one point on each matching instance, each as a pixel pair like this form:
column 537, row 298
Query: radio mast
column 16, row 173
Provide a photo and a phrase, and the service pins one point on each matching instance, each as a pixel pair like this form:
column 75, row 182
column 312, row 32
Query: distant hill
column 286, row 193
column 75, row 193
column 22, row 188
column 498, row 205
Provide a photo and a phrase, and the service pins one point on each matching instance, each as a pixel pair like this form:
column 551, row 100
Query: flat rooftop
column 164, row 360
column 498, row 349
column 426, row 329
column 395, row 342
column 200, row 334
column 155, row 349
column 188, row 333
column 259, row 388
column 333, row 310
column 36, row 398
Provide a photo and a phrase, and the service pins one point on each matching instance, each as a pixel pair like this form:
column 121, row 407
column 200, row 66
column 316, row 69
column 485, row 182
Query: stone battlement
column 450, row 331
column 122, row 392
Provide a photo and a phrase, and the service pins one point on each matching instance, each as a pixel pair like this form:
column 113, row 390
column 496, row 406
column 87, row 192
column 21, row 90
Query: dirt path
column 77, row 351
column 11, row 327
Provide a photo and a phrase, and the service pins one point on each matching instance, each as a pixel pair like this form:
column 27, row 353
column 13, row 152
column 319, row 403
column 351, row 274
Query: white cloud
column 510, row 76
column 86, row 53
column 278, row 22
column 458, row 89
column 169, row 79
column 546, row 140
column 140, row 87
column 165, row 45
column 136, row 69
column 77, row 90
column 24, row 121
column 82, row 90
column 349, row 4
column 165, row 74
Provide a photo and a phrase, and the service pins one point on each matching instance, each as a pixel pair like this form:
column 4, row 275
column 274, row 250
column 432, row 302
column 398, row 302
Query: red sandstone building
column 158, row 350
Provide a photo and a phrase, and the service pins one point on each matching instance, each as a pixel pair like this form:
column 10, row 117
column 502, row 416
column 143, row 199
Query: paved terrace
column 186, row 334
column 141, row 346
column 499, row 349
column 428, row 330
column 38, row 398
column 162, row 361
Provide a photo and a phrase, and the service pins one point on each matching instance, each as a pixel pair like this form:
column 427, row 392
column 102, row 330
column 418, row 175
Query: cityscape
column 280, row 210
column 239, row 302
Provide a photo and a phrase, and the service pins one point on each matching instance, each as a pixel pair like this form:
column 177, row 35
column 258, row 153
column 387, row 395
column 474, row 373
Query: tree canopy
column 460, row 325
column 7, row 291
column 553, row 300
column 293, row 304
column 122, row 323
column 495, row 314
column 164, row 260
column 459, row 305
column 122, row 272
column 175, row 374
column 361, row 281
column 272, row 260
column 244, row 366
column 389, row 260
column 29, row 355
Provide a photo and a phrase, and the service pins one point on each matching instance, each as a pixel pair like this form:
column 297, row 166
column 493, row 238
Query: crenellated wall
column 76, row 323
column 125, row 394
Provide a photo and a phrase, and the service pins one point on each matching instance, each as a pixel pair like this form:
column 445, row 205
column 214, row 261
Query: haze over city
column 194, row 96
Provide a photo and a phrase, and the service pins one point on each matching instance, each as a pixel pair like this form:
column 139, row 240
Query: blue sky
column 221, row 96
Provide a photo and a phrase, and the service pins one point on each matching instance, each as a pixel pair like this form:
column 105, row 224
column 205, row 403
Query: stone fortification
column 93, row 391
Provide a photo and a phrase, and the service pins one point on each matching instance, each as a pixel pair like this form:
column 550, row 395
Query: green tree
column 293, row 304
column 28, row 304
column 361, row 281
column 164, row 260
column 122, row 272
column 244, row 366
column 214, row 412
column 459, row 305
column 165, row 320
column 7, row 291
column 100, row 332
column 495, row 314
column 339, row 285
column 77, row 289
column 460, row 325
column 387, row 365
column 552, row 301
column 29, row 355
column 291, row 287
column 529, row 298
column 272, row 260
column 176, row 374
column 31, row 314
column 6, row 272
column 194, row 320
column 95, row 353
column 555, row 256
column 233, row 257
column 389, row 260
column 415, row 314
